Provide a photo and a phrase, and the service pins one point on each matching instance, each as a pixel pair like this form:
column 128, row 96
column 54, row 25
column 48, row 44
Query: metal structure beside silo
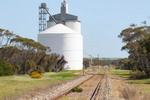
column 42, row 17
column 63, row 36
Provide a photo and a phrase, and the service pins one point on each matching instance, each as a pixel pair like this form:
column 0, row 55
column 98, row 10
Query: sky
column 102, row 20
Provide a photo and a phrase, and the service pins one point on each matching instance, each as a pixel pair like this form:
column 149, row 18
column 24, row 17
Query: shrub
column 117, row 67
column 76, row 89
column 36, row 75
column 79, row 90
column 73, row 89
column 138, row 75
column 128, row 92
column 6, row 69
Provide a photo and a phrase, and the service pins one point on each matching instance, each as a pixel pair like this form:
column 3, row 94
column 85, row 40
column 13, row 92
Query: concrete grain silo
column 64, row 38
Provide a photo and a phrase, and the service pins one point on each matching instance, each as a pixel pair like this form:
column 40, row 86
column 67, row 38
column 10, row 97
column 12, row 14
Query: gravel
column 57, row 90
column 106, row 90
column 88, row 89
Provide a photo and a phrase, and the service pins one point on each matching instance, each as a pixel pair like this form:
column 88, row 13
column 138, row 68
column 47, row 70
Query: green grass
column 144, row 84
column 139, row 81
column 12, row 85
column 102, row 72
column 63, row 76
column 71, row 71
column 122, row 73
column 95, row 68
column 127, row 73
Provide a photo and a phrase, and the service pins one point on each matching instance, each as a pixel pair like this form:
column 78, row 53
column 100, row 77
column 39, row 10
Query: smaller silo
column 65, row 18
column 64, row 41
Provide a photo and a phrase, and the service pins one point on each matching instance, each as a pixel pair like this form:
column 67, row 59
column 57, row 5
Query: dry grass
column 142, row 85
column 128, row 92
column 14, row 85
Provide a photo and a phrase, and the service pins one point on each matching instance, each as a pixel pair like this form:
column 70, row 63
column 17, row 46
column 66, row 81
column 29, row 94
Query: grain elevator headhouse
column 63, row 36
column 65, row 18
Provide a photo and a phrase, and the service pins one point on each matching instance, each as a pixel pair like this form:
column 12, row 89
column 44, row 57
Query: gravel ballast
column 57, row 90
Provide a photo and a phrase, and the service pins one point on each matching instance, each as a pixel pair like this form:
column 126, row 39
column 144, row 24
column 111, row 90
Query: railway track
column 90, row 87
column 97, row 88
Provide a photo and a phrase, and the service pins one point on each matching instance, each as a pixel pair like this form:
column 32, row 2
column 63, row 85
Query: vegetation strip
column 142, row 85
column 12, row 86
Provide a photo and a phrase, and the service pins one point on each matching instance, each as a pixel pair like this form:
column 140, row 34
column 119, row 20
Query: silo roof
column 59, row 28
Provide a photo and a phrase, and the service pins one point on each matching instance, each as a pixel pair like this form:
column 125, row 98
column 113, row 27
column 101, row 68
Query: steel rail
column 70, row 90
column 97, row 88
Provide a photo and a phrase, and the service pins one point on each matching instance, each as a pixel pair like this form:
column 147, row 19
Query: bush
column 77, row 89
column 6, row 69
column 128, row 93
column 138, row 75
column 36, row 75
column 73, row 89
column 117, row 67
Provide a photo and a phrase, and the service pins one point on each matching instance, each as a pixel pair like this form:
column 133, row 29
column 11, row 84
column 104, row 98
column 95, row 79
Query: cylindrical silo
column 64, row 41
column 75, row 25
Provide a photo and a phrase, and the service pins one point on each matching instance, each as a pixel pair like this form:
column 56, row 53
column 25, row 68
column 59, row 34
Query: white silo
column 65, row 38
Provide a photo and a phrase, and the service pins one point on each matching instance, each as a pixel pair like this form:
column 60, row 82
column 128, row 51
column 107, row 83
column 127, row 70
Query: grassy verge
column 143, row 84
column 122, row 73
column 12, row 85
column 95, row 68
column 127, row 73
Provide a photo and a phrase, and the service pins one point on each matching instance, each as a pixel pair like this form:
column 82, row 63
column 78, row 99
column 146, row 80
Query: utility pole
column 91, row 58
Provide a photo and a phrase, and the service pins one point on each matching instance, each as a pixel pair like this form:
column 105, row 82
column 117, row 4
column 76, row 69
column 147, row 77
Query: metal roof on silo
column 58, row 28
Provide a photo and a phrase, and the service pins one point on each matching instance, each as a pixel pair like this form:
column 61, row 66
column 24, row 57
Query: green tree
column 6, row 69
column 136, row 41
column 27, row 55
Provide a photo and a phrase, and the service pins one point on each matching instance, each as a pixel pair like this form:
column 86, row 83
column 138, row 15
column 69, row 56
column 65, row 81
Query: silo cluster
column 64, row 38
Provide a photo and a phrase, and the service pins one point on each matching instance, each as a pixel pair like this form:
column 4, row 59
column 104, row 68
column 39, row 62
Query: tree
column 27, row 55
column 137, row 45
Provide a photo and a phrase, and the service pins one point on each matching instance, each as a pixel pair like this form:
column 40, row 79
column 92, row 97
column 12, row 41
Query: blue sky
column 102, row 20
